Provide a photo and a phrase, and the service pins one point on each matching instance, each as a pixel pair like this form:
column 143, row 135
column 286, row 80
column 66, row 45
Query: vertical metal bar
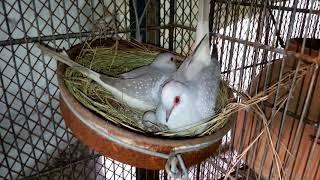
column 213, row 172
column 189, row 42
column 136, row 8
column 171, row 24
column 104, row 167
column 217, row 19
column 95, row 161
column 142, row 20
column 307, row 169
column 198, row 171
column 132, row 19
column 164, row 23
column 126, row 21
column 182, row 30
column 303, row 21
column 114, row 170
column 93, row 22
column 211, row 14
column 203, row 169
column 165, row 175
column 316, row 25
column 234, row 30
column 237, row 52
column 224, row 28
column 156, row 16
column 66, row 23
column 122, row 172
column 217, row 172
column 83, row 169
column 115, row 21
column 281, row 19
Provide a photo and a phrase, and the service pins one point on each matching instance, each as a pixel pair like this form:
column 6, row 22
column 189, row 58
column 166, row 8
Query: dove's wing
column 195, row 62
column 136, row 72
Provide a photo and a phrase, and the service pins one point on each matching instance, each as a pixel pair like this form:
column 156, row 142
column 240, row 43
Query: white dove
column 138, row 88
column 190, row 95
column 185, row 102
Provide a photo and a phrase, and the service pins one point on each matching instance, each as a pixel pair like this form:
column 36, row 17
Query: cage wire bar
column 35, row 142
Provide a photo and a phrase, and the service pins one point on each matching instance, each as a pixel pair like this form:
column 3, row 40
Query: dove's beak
column 168, row 113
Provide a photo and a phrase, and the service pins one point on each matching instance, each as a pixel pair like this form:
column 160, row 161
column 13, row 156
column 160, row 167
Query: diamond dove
column 138, row 88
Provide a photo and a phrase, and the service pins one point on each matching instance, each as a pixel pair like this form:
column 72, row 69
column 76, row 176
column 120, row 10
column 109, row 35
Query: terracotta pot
column 247, row 123
column 104, row 137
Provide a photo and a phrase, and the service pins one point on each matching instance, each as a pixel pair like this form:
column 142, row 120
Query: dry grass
column 285, row 82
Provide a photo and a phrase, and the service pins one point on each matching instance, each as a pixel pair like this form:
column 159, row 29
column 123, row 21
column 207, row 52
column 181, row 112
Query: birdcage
column 259, row 44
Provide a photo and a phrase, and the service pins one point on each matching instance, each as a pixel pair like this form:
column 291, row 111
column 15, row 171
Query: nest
column 115, row 60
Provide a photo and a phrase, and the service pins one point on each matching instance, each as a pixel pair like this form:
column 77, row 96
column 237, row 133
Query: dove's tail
column 203, row 20
column 64, row 58
column 104, row 81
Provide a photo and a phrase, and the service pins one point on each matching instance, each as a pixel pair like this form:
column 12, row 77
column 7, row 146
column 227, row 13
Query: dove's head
column 165, row 61
column 174, row 95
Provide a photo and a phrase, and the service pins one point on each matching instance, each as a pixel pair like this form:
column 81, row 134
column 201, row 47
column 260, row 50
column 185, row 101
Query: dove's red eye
column 171, row 59
column 176, row 100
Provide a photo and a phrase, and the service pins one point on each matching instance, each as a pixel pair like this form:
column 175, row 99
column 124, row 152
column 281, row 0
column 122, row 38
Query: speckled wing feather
column 136, row 72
